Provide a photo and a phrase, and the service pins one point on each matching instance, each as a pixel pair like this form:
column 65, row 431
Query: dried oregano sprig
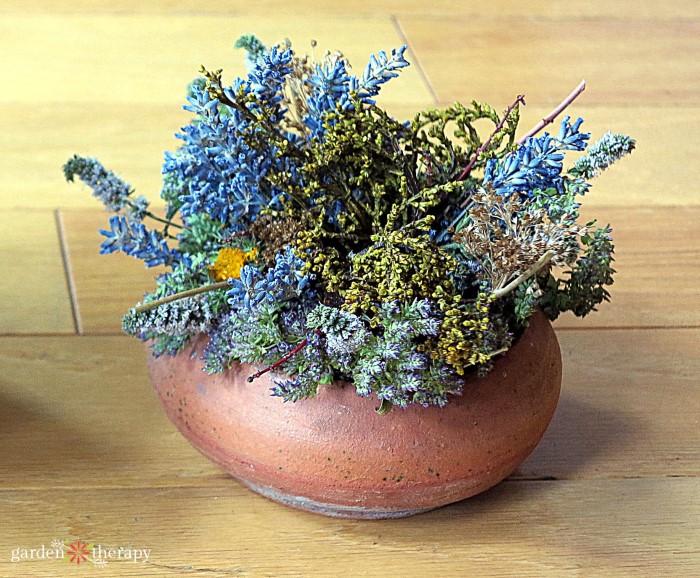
column 308, row 232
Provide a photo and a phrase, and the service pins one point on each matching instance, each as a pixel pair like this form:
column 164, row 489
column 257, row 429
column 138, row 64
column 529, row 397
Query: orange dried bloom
column 229, row 263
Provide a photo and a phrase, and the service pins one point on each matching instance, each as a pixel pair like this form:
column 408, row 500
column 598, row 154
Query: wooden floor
column 85, row 451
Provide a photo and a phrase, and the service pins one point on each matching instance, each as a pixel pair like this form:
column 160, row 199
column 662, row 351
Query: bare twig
column 159, row 219
column 282, row 359
column 555, row 113
column 541, row 262
column 181, row 295
column 499, row 126
column 429, row 166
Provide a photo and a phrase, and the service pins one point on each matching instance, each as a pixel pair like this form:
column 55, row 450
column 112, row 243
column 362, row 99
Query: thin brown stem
column 161, row 220
column 282, row 359
column 499, row 126
column 429, row 165
column 555, row 113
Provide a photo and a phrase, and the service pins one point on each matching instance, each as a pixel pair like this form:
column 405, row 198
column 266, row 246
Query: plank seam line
column 416, row 60
column 68, row 272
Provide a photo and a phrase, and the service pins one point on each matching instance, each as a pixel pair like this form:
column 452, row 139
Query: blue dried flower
column 136, row 240
column 379, row 70
column 268, row 75
column 282, row 282
column 220, row 174
column 331, row 85
column 536, row 164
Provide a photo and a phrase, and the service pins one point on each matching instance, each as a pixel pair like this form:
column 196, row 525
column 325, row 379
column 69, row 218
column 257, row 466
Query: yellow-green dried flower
column 462, row 333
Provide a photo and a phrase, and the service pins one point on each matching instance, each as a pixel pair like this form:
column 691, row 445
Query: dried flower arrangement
column 318, row 236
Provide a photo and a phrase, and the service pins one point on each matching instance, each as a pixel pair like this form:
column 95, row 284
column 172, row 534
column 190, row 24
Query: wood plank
column 644, row 527
column 106, row 286
column 629, row 9
column 657, row 283
column 34, row 294
column 127, row 139
column 79, row 412
column 657, row 258
column 150, row 59
column 628, row 406
column 639, row 62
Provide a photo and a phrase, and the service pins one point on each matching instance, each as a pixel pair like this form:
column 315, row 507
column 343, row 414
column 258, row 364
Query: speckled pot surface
column 335, row 455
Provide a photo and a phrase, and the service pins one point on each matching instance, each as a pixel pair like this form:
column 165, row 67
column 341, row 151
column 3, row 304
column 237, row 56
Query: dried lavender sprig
column 114, row 193
column 609, row 149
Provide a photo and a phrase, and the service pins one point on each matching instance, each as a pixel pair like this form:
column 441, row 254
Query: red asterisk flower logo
column 79, row 551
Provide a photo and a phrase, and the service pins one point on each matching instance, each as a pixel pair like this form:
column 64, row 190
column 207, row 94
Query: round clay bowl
column 335, row 455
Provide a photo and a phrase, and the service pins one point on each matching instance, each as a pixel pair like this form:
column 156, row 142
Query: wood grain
column 637, row 527
column 81, row 411
column 657, row 259
column 270, row 9
column 623, row 392
column 34, row 296
column 148, row 59
column 629, row 62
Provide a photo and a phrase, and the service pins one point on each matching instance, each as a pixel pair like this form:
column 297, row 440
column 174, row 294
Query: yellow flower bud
column 229, row 263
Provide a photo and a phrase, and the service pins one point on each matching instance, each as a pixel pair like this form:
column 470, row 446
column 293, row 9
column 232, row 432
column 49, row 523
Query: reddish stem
column 429, row 165
column 283, row 359
column 555, row 113
column 233, row 236
column 499, row 126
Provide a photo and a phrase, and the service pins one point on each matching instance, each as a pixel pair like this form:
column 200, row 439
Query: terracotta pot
column 335, row 455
